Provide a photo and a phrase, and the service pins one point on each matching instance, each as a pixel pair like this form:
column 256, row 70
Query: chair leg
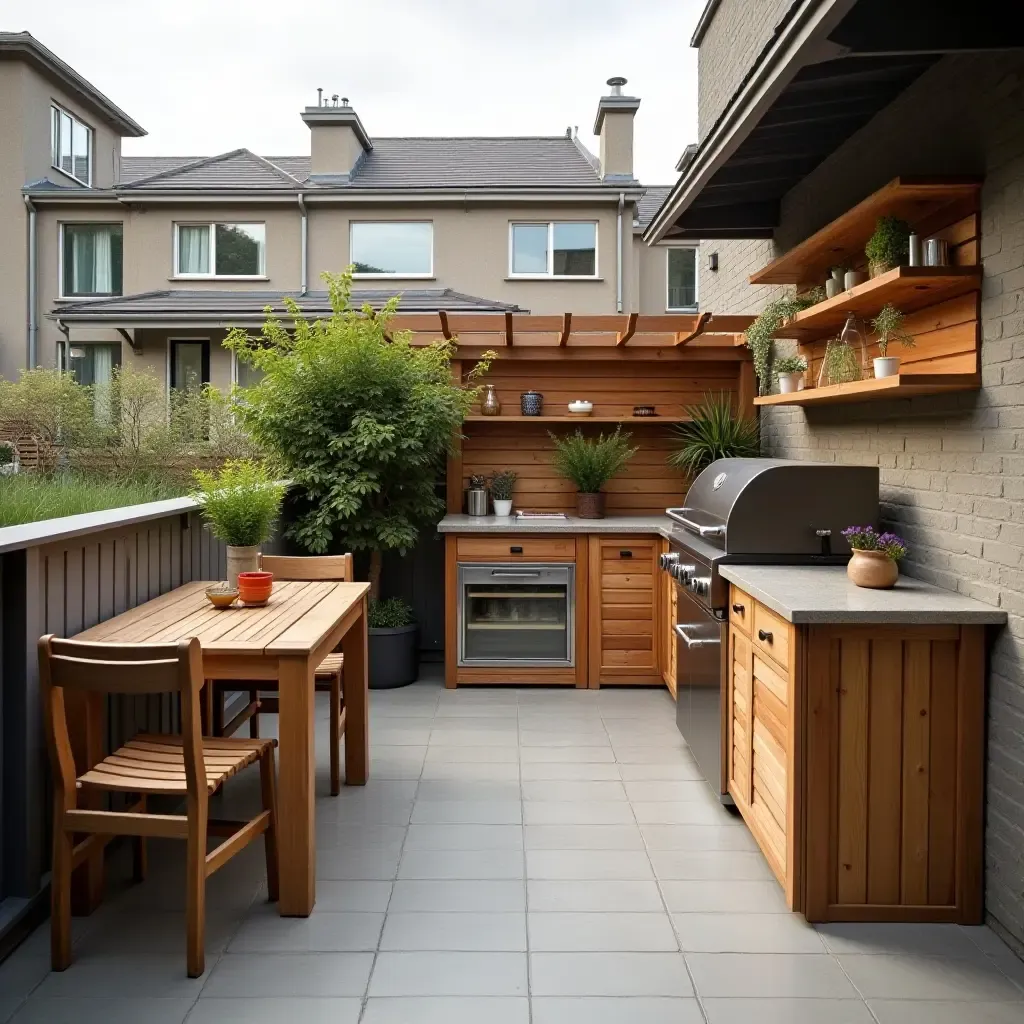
column 206, row 711
column 140, row 858
column 60, row 897
column 219, row 699
column 336, row 734
column 254, row 722
column 268, row 788
column 195, row 892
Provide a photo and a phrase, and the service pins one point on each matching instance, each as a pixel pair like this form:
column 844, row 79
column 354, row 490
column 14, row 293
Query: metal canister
column 936, row 252
column 476, row 502
column 914, row 249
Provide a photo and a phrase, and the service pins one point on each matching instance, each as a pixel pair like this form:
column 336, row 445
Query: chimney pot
column 616, row 83
column 319, row 97
column 614, row 126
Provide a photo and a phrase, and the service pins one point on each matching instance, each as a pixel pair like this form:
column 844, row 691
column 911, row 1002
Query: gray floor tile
column 371, row 863
column 275, row 1011
column 103, row 1010
column 356, row 835
column 676, row 812
column 396, row 767
column 712, row 865
column 651, row 754
column 485, row 932
column 582, row 897
column 499, row 719
column 682, row 769
column 559, row 772
column 503, row 737
column 458, row 895
column 724, row 897
column 476, row 771
column 583, row 837
column 8, row 1006
column 601, row 932
column 465, row 864
column 116, row 932
column 923, row 977
column 746, row 933
column 485, row 752
column 464, row 837
column 930, row 1011
column 322, row 932
column 655, row 790
column 156, row 977
column 369, row 812
column 468, row 788
column 259, row 975
column 550, row 790
column 769, row 975
column 588, row 864
column 577, row 812
column 567, row 755
column 361, row 895
column 698, row 837
column 448, row 1010
column 621, row 1010
column 474, row 812
column 403, row 737
column 449, row 974
column 788, row 1011
column 595, row 737
column 609, row 974
column 915, row 939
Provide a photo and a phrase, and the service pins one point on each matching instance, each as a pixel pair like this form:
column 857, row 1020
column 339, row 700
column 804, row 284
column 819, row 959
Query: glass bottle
column 846, row 357
column 490, row 406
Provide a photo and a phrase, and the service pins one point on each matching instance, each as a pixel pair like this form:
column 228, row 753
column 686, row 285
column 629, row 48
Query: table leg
column 356, row 684
column 296, row 830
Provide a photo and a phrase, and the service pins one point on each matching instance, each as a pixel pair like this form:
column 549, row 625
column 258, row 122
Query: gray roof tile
column 239, row 169
column 649, row 204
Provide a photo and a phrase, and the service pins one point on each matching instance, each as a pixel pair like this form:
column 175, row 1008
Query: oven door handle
column 694, row 641
column 515, row 575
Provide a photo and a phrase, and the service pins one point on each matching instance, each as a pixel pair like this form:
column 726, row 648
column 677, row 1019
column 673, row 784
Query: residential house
column 807, row 107
column 159, row 256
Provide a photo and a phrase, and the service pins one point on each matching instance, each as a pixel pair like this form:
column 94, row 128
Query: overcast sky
column 206, row 76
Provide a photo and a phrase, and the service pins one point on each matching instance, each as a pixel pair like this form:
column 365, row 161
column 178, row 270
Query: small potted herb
column 888, row 325
column 502, row 483
column 790, row 370
column 391, row 631
column 476, row 495
column 873, row 563
column 8, row 458
column 889, row 246
column 590, row 463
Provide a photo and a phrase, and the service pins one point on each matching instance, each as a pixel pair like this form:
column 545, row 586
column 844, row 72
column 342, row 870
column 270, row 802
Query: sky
column 207, row 76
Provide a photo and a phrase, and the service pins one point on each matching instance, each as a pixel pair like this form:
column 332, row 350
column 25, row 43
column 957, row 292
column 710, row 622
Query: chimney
column 338, row 139
column 614, row 125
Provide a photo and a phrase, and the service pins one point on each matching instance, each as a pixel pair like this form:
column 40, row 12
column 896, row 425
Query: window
column 93, row 365
column 220, row 250
column 393, row 248
column 681, row 273
column 91, row 259
column 555, row 249
column 190, row 365
column 70, row 145
column 246, row 375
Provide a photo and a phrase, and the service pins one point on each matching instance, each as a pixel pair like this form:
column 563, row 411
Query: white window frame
column 550, row 275
column 428, row 276
column 55, row 157
column 60, row 259
column 696, row 280
column 213, row 275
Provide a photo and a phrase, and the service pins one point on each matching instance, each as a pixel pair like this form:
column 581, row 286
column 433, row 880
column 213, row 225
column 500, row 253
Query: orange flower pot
column 255, row 587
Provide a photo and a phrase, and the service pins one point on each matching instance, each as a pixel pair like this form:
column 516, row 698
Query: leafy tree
column 360, row 419
column 48, row 405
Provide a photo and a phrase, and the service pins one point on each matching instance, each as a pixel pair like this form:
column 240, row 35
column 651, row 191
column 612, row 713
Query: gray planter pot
column 394, row 657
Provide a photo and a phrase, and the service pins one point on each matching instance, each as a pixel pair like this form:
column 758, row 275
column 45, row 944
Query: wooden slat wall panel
column 851, row 880
column 942, row 789
column 917, row 664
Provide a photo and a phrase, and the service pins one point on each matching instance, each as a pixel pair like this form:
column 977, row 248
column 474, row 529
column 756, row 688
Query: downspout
column 33, row 326
column 304, row 246
column 618, row 243
column 64, row 352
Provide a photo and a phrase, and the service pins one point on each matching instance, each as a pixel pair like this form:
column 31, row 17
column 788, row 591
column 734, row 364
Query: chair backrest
column 330, row 568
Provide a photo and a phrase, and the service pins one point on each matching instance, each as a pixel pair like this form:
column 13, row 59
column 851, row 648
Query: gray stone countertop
column 658, row 525
column 824, row 594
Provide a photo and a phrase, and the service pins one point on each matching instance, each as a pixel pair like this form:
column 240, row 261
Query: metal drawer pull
column 516, row 549
column 764, row 636
column 625, row 554
column 515, row 575
column 738, row 609
column 694, row 641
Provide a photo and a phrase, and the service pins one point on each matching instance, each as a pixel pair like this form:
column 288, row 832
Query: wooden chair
column 332, row 568
column 183, row 766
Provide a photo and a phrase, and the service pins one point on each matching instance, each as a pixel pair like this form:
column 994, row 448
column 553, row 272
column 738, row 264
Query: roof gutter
column 32, row 321
column 797, row 44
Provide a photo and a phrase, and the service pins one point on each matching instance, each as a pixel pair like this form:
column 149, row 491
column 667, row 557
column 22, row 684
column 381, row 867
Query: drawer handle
column 515, row 549
column 764, row 636
column 738, row 609
column 625, row 554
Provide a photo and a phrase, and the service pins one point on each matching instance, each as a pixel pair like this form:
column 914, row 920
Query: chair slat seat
column 331, row 665
column 156, row 764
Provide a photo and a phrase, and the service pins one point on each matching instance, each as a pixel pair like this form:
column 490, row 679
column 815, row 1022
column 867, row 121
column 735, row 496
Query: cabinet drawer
column 771, row 635
column 630, row 555
column 516, row 549
column 741, row 609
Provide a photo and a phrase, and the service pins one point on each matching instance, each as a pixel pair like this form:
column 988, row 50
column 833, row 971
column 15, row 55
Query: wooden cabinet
column 517, row 549
column 624, row 604
column 666, row 620
column 855, row 754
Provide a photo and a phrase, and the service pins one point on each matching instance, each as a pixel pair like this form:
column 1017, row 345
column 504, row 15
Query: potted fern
column 503, row 482
column 590, row 463
column 713, row 433
column 790, row 372
column 888, row 325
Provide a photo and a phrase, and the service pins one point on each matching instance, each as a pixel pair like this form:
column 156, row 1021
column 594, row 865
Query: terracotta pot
column 245, row 559
column 590, row 506
column 255, row 587
column 872, row 569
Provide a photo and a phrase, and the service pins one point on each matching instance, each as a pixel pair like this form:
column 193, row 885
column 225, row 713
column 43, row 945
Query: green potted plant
column 889, row 246
column 888, row 326
column 361, row 421
column 590, row 463
column 240, row 505
column 713, row 433
column 8, row 458
column 503, row 482
column 761, row 336
column 874, row 558
column 790, row 372
column 393, row 660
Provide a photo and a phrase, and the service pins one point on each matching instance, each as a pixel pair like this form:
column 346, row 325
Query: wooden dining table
column 284, row 640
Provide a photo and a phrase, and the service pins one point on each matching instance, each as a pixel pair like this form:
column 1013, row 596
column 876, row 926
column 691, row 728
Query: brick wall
column 952, row 467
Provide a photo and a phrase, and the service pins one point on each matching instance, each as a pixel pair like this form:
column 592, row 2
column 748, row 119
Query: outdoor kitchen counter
column 808, row 595
column 658, row 525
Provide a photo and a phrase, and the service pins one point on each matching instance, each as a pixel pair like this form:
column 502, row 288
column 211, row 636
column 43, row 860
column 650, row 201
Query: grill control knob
column 683, row 573
column 667, row 560
column 700, row 585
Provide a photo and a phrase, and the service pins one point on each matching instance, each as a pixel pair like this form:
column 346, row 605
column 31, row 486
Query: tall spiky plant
column 714, row 432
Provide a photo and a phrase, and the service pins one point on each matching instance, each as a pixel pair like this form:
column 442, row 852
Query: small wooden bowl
column 222, row 595
column 254, row 588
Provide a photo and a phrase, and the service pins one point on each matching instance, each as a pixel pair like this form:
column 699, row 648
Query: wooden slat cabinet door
column 738, row 690
column 624, row 604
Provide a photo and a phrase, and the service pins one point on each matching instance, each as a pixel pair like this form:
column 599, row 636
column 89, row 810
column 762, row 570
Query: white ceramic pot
column 245, row 559
column 887, row 366
column 502, row 507
column 854, row 278
column 833, row 286
column 789, row 383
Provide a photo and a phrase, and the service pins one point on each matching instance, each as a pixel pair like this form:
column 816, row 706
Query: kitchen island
column 854, row 733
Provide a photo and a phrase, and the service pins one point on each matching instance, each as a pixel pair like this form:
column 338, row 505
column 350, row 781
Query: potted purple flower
column 875, row 556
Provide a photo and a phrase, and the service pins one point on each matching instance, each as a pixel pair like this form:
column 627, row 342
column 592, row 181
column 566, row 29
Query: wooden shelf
column 478, row 418
column 907, row 288
column 927, row 204
column 905, row 385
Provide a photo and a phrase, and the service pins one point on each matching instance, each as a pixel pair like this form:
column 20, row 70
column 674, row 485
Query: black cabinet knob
column 515, row 549
column 738, row 609
column 625, row 554
column 764, row 636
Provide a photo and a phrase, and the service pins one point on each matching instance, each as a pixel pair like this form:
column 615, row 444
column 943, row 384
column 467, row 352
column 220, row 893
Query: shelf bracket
column 684, row 339
column 628, row 332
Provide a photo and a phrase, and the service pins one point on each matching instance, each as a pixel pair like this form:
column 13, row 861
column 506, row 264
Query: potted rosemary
column 888, row 325
column 502, row 483
column 590, row 463
column 790, row 372
column 874, row 558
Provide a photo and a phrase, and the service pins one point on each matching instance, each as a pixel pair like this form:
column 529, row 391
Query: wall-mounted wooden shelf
column 907, row 288
column 905, row 385
column 478, row 418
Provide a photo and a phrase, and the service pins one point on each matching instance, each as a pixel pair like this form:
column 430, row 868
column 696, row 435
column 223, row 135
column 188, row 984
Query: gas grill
column 764, row 511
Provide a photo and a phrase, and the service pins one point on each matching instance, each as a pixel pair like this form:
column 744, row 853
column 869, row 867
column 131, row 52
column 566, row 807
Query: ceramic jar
column 872, row 569
column 241, row 559
column 531, row 403
column 490, row 406
column 852, row 278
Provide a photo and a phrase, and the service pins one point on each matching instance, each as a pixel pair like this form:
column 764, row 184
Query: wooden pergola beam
column 508, row 330
column 563, row 339
column 445, row 329
column 630, row 330
column 683, row 339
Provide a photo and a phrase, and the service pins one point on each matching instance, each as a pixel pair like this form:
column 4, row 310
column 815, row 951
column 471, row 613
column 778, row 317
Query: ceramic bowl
column 222, row 595
column 255, row 587
column 581, row 407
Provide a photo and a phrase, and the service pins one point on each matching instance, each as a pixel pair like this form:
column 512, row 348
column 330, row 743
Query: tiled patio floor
column 519, row 855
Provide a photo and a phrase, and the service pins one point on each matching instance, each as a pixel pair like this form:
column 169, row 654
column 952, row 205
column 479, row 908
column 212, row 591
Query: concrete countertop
column 824, row 594
column 658, row 525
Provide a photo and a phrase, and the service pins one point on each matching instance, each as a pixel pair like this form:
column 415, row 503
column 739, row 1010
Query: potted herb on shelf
column 888, row 325
column 874, row 558
column 391, row 632
column 714, row 433
column 761, row 336
column 502, row 483
column 790, row 372
column 8, row 459
column 240, row 505
column 889, row 246
column 590, row 463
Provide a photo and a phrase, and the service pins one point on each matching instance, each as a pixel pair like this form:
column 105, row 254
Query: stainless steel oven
column 516, row 615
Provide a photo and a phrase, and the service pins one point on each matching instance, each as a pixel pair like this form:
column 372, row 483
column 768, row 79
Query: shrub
column 241, row 503
column 389, row 613
column 591, row 462
column 8, row 453
column 48, row 405
column 889, row 246
column 714, row 433
column 503, row 482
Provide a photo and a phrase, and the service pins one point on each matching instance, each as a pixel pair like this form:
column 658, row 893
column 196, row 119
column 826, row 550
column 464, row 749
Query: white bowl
column 580, row 406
